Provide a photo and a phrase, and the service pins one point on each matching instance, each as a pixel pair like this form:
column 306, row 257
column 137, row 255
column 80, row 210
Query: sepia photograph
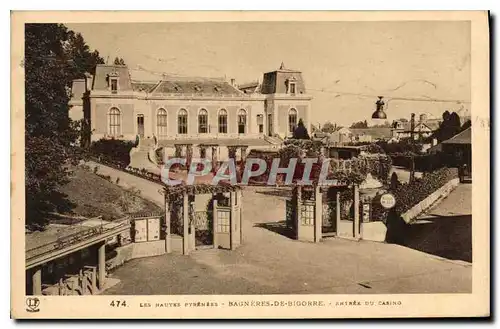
column 250, row 165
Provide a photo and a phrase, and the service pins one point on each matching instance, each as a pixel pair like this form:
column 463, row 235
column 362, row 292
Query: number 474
column 118, row 303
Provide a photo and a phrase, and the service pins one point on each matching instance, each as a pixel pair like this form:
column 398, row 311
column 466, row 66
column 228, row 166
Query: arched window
column 203, row 122
column 114, row 122
column 161, row 123
column 242, row 121
column 292, row 120
column 182, row 122
column 222, row 121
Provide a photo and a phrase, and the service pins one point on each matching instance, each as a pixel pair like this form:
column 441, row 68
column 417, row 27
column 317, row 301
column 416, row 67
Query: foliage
column 359, row 124
column 329, row 127
column 54, row 56
column 119, row 61
column 409, row 194
column 112, row 151
column 449, row 127
column 300, row 131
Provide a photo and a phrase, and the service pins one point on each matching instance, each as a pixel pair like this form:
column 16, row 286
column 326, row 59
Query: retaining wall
column 428, row 202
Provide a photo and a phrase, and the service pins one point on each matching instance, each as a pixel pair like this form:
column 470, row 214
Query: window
column 222, row 121
column 161, row 123
column 182, row 122
column 203, row 122
column 114, row 85
column 292, row 87
column 114, row 122
column 292, row 120
column 260, row 123
column 242, row 121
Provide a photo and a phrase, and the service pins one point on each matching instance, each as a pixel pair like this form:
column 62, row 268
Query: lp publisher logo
column 32, row 303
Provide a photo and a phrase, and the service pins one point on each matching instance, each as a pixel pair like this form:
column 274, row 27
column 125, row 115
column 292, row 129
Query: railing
column 74, row 238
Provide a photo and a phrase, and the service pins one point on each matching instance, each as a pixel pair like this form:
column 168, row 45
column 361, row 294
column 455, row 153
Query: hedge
column 112, row 151
column 409, row 194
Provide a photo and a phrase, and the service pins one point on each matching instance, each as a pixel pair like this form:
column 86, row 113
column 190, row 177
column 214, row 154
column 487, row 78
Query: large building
column 193, row 110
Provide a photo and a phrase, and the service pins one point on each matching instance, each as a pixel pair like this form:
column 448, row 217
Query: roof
column 463, row 137
column 166, row 85
column 375, row 132
column 77, row 90
column 103, row 71
column 195, row 85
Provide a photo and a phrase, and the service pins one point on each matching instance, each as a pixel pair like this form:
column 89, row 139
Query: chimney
column 88, row 81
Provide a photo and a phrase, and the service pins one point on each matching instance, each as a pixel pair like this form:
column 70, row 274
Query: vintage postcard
column 250, row 164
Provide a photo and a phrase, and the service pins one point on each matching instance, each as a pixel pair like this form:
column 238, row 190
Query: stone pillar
column 356, row 211
column 214, row 158
column 36, row 280
column 337, row 209
column 101, row 265
column 239, row 195
column 243, row 153
column 214, row 221
column 232, row 221
column 318, row 215
column 168, row 233
column 185, row 220
column 298, row 212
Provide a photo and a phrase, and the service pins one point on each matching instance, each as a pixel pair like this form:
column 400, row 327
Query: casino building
column 191, row 110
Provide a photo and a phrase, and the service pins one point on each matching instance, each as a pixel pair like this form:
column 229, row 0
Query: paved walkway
column 446, row 229
column 149, row 190
column 270, row 263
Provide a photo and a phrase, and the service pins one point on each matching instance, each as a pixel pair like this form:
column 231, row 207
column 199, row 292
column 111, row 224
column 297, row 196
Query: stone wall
column 428, row 202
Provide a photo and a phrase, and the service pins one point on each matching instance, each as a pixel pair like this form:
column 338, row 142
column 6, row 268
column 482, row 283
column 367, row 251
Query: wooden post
column 318, row 214
column 101, row 267
column 83, row 282
column 356, row 211
column 337, row 209
column 93, row 278
column 214, row 222
column 185, row 218
column 168, row 233
column 36, row 277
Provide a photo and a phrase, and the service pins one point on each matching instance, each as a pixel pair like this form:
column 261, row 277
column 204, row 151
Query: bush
column 409, row 194
column 112, row 151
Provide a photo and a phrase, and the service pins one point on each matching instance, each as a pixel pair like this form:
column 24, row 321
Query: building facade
column 181, row 109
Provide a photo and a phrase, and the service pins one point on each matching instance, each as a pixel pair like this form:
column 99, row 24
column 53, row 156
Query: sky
column 345, row 65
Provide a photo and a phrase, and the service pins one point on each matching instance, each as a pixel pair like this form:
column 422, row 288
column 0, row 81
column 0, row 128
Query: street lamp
column 379, row 112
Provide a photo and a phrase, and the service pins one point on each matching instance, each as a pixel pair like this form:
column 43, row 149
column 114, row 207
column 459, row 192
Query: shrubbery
column 112, row 151
column 409, row 194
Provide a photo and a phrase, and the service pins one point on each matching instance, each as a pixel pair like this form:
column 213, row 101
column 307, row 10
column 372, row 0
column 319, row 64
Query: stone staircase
column 144, row 156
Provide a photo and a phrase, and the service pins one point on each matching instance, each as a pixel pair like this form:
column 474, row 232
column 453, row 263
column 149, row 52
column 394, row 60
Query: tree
column 300, row 131
column 54, row 56
column 329, row 127
column 360, row 124
column 449, row 127
column 119, row 61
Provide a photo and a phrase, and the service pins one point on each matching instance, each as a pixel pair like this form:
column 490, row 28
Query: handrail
column 74, row 238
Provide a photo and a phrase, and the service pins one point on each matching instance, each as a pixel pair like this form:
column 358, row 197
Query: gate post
column 214, row 222
column 232, row 219
column 298, row 211
column 168, row 236
column 185, row 221
column 337, row 210
column 318, row 213
column 356, row 211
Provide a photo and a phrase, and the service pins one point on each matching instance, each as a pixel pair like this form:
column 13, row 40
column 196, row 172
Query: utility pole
column 412, row 159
